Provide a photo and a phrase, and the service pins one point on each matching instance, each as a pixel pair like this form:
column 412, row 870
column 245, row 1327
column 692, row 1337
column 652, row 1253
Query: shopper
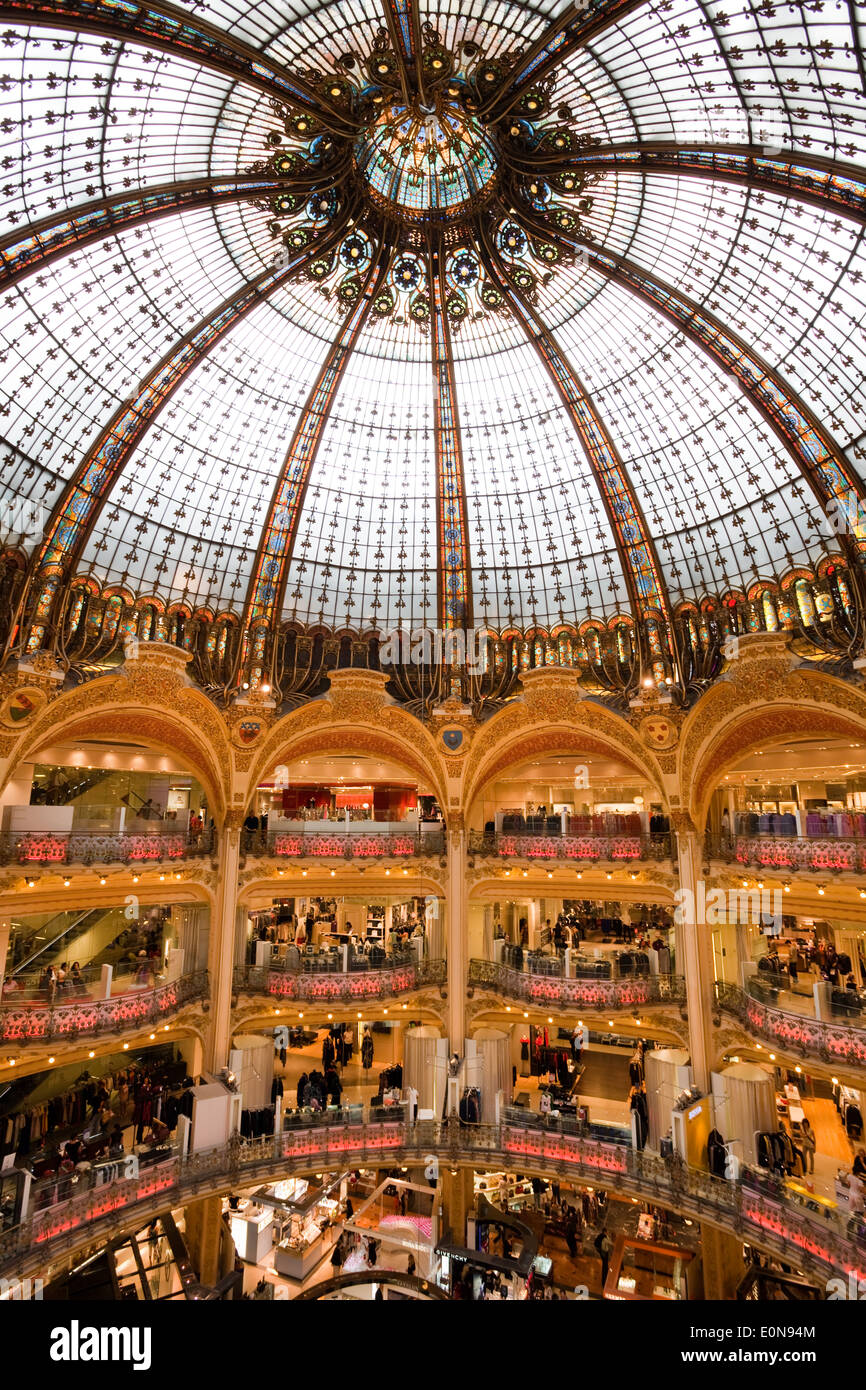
column 603, row 1245
column 303, row 1081
column 859, row 1168
column 571, row 1233
column 808, row 1145
column 333, row 1085
column 367, row 1050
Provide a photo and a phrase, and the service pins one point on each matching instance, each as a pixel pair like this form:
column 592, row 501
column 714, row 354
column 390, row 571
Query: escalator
column 66, row 784
column 57, row 933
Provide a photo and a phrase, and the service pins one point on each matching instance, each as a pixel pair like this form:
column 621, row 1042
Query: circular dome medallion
column 427, row 165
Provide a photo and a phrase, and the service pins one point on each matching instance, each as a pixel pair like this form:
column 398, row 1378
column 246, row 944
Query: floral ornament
column 431, row 168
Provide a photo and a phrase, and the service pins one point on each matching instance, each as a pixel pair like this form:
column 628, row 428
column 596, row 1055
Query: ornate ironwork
column 337, row 987
column 757, row 1209
column 21, row 1024
column 556, row 990
column 838, row 1044
column 75, row 847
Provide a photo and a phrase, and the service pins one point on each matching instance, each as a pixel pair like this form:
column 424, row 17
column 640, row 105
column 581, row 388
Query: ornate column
column 204, row 1228
column 221, row 952
column 723, row 1263
column 457, row 1199
column 456, row 917
column 694, row 947
column 4, row 947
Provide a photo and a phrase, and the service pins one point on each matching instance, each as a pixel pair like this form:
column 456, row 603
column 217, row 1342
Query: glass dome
column 647, row 398
column 423, row 165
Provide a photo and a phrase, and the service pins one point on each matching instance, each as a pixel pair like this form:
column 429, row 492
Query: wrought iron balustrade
column 835, row 1043
column 338, row 986
column 77, row 847
column 37, row 1022
column 758, row 1208
column 818, row 853
column 590, row 848
column 342, row 843
column 556, row 990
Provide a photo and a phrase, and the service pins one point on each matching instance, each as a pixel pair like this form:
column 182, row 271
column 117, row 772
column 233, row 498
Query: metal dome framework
column 603, row 406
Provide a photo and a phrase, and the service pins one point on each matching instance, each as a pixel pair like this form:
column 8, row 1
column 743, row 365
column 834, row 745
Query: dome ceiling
column 358, row 316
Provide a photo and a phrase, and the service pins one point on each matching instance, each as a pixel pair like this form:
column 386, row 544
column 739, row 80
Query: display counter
column 252, row 1232
column 306, row 1214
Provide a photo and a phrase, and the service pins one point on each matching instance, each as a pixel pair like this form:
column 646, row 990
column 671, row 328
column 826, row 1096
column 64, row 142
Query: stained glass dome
column 299, row 327
column 426, row 165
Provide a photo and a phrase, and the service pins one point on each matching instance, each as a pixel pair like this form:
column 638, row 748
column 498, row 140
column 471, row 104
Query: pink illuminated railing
column 344, row 844
column 757, row 1210
column 826, row 853
column 835, row 1043
column 545, row 990
column 39, row 1023
column 338, row 986
column 77, row 848
column 590, row 847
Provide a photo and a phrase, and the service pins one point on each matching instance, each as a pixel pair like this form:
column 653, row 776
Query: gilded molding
column 761, row 700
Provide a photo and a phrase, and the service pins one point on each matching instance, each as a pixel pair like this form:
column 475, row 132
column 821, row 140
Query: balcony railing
column 835, row 1043
column 29, row 988
column 77, row 847
column 584, row 848
column 343, row 843
column 42, row 1022
column 820, row 853
column 545, row 990
column 87, row 1209
column 397, row 977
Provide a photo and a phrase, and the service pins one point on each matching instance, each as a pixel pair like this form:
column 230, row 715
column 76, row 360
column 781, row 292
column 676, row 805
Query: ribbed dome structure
column 354, row 316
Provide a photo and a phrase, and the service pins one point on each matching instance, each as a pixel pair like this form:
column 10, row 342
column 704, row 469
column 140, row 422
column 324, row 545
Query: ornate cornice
column 764, row 696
